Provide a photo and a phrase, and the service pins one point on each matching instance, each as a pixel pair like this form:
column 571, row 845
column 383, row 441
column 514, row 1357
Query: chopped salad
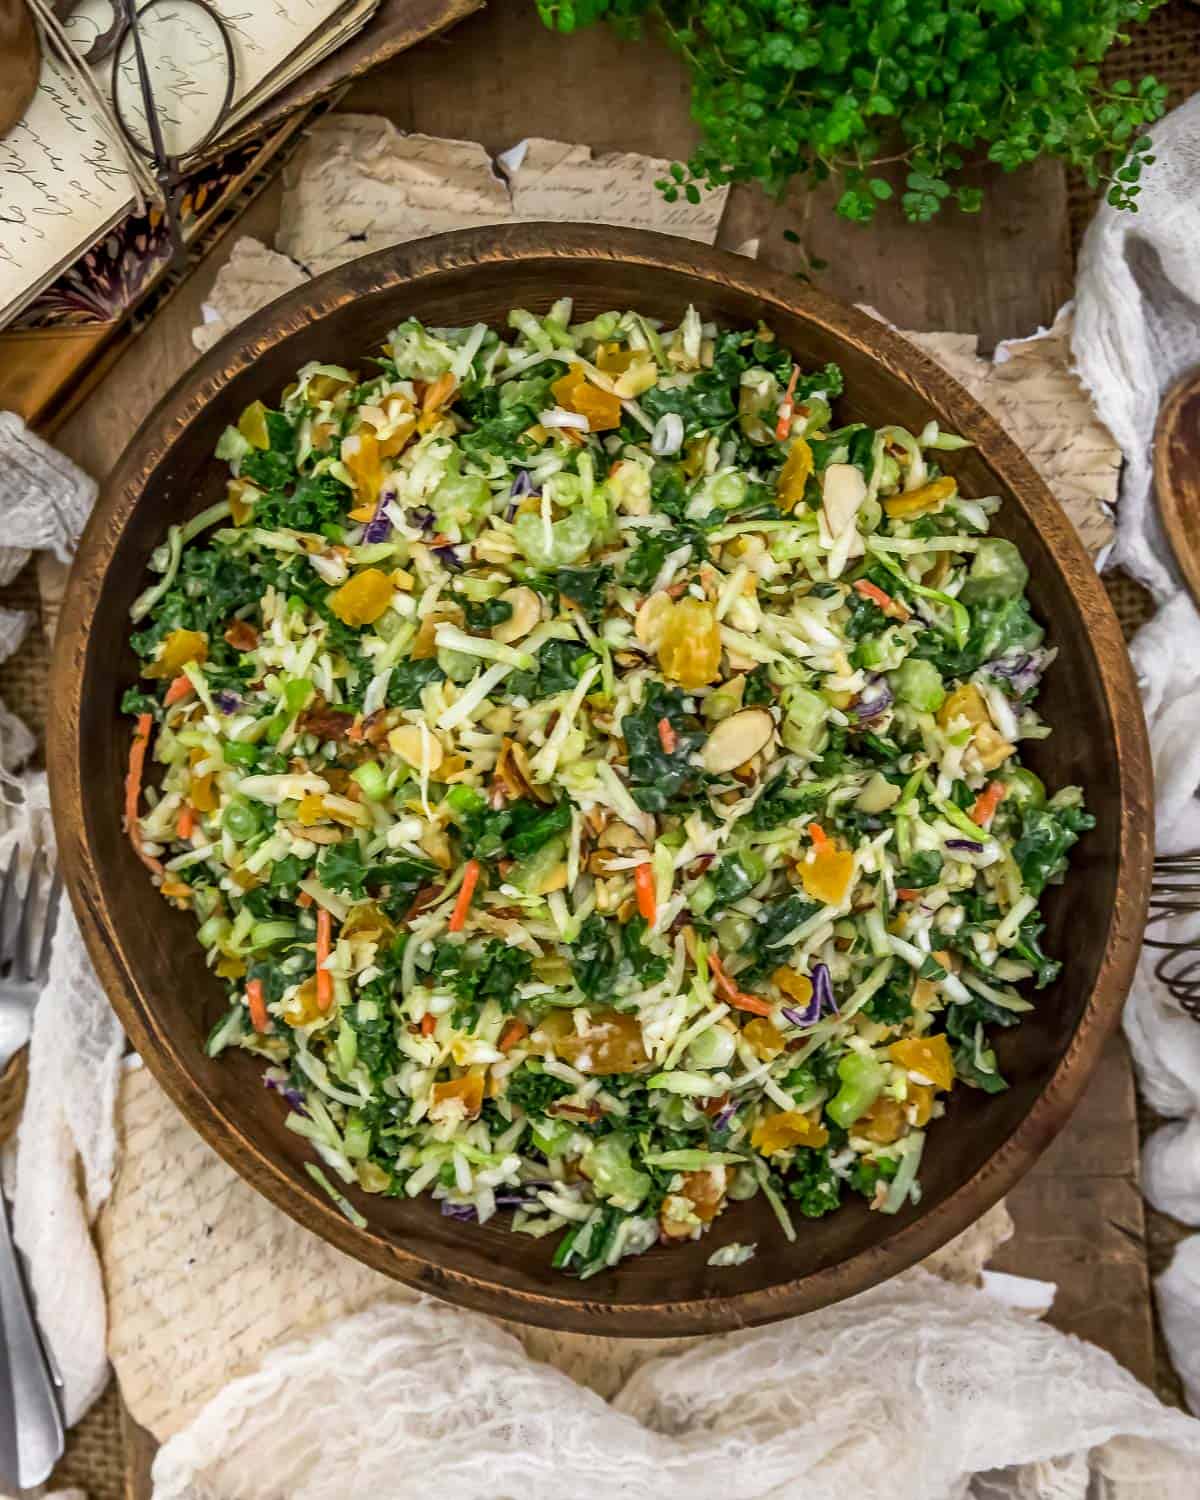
column 595, row 772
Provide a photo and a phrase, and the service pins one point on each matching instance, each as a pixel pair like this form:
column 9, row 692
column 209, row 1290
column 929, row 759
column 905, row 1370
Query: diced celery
column 919, row 683
column 998, row 571
column 806, row 714
column 371, row 778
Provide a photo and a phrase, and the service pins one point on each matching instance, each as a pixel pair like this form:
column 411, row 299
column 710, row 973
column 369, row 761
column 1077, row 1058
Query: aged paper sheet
column 1034, row 394
column 360, row 185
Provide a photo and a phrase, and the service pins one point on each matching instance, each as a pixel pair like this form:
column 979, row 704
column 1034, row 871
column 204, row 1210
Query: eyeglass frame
column 167, row 170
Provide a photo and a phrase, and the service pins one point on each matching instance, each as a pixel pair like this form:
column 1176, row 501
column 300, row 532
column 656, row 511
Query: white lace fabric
column 917, row 1390
column 1137, row 331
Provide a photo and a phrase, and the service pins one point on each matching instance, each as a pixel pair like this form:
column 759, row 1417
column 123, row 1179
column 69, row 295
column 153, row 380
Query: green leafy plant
column 785, row 90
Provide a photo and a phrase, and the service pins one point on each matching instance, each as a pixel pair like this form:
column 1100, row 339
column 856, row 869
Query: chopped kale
column 812, row 1182
column 661, row 777
column 409, row 679
column 1047, row 835
column 535, row 1091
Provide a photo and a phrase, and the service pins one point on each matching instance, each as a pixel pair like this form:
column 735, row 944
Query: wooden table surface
column 1002, row 273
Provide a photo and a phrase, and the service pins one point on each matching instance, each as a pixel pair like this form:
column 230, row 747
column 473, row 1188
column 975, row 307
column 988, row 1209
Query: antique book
column 64, row 174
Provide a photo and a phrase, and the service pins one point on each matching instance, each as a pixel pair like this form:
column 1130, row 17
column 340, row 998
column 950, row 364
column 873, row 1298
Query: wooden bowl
column 150, row 963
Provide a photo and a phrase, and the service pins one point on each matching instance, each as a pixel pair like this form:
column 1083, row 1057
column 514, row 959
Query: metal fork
column 31, row 1424
column 1175, row 892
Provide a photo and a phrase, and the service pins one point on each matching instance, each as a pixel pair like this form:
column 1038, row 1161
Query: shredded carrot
column 180, row 687
column 818, row 835
column 987, row 802
column 784, row 425
column 886, row 603
column 643, row 882
column 906, row 893
column 355, row 733
column 324, row 949
column 737, row 998
column 666, row 736
column 515, row 1030
column 466, row 891
column 428, row 1023
column 186, row 824
column 133, row 790
column 258, row 1006
column 304, row 899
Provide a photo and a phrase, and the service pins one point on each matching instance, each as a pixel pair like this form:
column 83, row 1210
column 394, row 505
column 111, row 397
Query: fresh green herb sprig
column 810, row 92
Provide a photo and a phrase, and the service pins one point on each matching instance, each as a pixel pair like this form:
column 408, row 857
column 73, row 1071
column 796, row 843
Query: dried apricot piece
column 788, row 1128
column 360, row 455
column 689, row 648
column 883, row 1123
column 917, row 502
column 611, row 1043
column 466, row 1092
column 252, row 424
column 927, row 1055
column 793, row 477
column 762, row 1036
column 826, row 874
column 362, row 599
column 574, row 392
column 178, row 649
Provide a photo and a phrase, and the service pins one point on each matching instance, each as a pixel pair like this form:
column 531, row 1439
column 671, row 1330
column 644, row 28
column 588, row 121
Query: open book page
column 189, row 64
column 63, row 181
column 347, row 22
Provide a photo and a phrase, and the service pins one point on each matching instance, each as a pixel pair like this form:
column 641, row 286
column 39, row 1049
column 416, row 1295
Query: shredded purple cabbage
column 522, row 486
column 422, row 516
column 379, row 527
column 449, row 558
column 227, row 702
column 463, row 1212
column 967, row 844
column 1020, row 671
column 284, row 1089
column 722, row 1119
column 822, row 1000
column 877, row 698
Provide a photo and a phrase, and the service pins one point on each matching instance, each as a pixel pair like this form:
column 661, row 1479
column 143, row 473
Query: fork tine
column 8, row 895
column 52, row 904
column 23, row 952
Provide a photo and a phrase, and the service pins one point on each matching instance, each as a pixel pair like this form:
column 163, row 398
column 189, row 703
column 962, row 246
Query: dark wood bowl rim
column 560, row 245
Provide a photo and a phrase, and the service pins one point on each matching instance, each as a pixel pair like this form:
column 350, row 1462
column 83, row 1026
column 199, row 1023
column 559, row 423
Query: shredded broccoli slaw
column 596, row 777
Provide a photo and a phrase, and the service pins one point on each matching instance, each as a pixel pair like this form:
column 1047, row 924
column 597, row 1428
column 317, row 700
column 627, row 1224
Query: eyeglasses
column 171, row 84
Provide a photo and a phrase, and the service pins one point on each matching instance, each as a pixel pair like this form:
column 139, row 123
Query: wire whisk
column 1175, row 892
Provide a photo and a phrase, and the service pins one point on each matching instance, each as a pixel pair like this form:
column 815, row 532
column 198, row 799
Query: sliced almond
column 494, row 547
column 421, row 751
column 316, row 835
column 843, row 490
column 737, row 739
column 618, row 835
column 526, row 612
column 435, row 843
column 878, row 795
column 652, row 618
column 512, row 772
